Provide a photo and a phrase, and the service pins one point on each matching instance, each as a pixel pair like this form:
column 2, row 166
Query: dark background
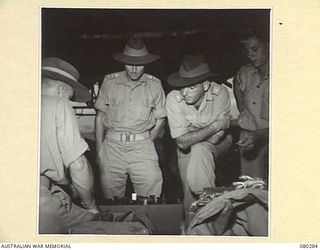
column 88, row 37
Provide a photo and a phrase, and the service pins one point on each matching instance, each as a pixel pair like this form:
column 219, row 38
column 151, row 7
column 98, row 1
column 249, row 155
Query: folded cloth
column 242, row 212
column 57, row 213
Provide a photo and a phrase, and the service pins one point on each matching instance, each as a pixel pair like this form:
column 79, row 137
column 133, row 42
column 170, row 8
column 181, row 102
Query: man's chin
column 134, row 78
column 189, row 102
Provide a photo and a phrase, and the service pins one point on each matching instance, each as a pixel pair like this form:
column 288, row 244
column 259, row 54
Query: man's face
column 256, row 52
column 193, row 95
column 134, row 72
column 65, row 90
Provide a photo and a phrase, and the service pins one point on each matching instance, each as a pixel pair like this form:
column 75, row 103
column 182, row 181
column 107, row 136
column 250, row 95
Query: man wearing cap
column 198, row 114
column 251, row 88
column 130, row 114
column 62, row 161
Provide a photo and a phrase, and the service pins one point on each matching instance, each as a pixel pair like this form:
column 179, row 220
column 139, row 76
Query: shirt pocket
column 139, row 112
column 115, row 112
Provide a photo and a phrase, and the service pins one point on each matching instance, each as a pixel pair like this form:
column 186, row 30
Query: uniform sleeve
column 246, row 119
column 222, row 101
column 102, row 99
column 241, row 77
column 70, row 143
column 159, row 104
column 177, row 121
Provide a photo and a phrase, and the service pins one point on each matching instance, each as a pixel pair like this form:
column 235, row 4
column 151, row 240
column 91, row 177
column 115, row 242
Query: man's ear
column 60, row 90
column 206, row 85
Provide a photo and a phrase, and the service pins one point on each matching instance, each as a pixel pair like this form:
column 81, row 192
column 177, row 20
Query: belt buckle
column 126, row 137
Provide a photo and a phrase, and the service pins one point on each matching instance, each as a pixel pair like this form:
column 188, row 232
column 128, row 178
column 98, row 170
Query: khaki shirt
column 131, row 106
column 256, row 99
column 60, row 140
column 184, row 118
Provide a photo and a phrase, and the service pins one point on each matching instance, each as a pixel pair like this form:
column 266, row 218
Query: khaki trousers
column 197, row 167
column 138, row 159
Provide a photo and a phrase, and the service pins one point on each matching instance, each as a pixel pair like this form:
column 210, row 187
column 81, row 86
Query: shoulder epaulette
column 179, row 96
column 215, row 88
column 150, row 77
column 112, row 76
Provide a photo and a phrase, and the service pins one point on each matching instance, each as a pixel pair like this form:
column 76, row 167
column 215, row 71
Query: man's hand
column 99, row 129
column 91, row 208
column 223, row 121
column 216, row 138
column 248, row 140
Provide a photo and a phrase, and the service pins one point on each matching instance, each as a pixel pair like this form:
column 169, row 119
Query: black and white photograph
column 154, row 121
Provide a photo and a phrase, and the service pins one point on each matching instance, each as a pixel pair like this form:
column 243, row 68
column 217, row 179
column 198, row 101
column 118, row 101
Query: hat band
column 200, row 70
column 59, row 71
column 135, row 52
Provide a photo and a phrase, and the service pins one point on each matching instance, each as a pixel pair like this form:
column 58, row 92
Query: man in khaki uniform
column 62, row 160
column 198, row 115
column 251, row 88
column 130, row 115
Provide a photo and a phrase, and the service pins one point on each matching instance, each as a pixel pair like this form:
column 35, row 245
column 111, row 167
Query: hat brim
column 135, row 60
column 81, row 93
column 176, row 81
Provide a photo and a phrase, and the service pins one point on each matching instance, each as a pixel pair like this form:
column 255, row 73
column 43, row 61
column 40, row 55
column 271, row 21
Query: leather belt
column 127, row 137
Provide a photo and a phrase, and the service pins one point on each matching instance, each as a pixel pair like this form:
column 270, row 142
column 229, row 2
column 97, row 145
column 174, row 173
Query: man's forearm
column 155, row 131
column 216, row 138
column 187, row 140
column 99, row 129
column 82, row 180
column 238, row 95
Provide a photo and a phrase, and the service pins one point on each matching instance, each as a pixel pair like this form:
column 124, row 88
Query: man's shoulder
column 52, row 105
column 245, row 69
column 174, row 96
column 245, row 73
column 215, row 88
column 112, row 77
column 218, row 89
column 151, row 79
column 52, row 100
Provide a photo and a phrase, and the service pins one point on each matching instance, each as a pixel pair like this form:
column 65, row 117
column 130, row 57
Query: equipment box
column 165, row 218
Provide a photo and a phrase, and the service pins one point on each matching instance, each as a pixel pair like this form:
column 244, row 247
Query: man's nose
column 184, row 91
column 134, row 68
column 251, row 55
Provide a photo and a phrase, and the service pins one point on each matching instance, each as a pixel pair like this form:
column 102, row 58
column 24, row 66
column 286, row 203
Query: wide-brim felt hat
column 58, row 69
column 135, row 53
column 193, row 70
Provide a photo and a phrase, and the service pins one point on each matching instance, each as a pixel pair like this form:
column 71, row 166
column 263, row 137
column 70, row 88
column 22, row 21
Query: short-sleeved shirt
column 256, row 98
column 184, row 118
column 131, row 106
column 60, row 140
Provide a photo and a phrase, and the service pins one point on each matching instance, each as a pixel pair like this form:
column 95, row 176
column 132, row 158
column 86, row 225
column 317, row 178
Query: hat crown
column 136, row 48
column 58, row 69
column 136, row 43
column 193, row 66
column 135, row 53
column 60, row 66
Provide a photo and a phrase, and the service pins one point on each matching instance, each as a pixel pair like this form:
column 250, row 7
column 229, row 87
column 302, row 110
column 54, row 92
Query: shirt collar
column 124, row 80
column 256, row 71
